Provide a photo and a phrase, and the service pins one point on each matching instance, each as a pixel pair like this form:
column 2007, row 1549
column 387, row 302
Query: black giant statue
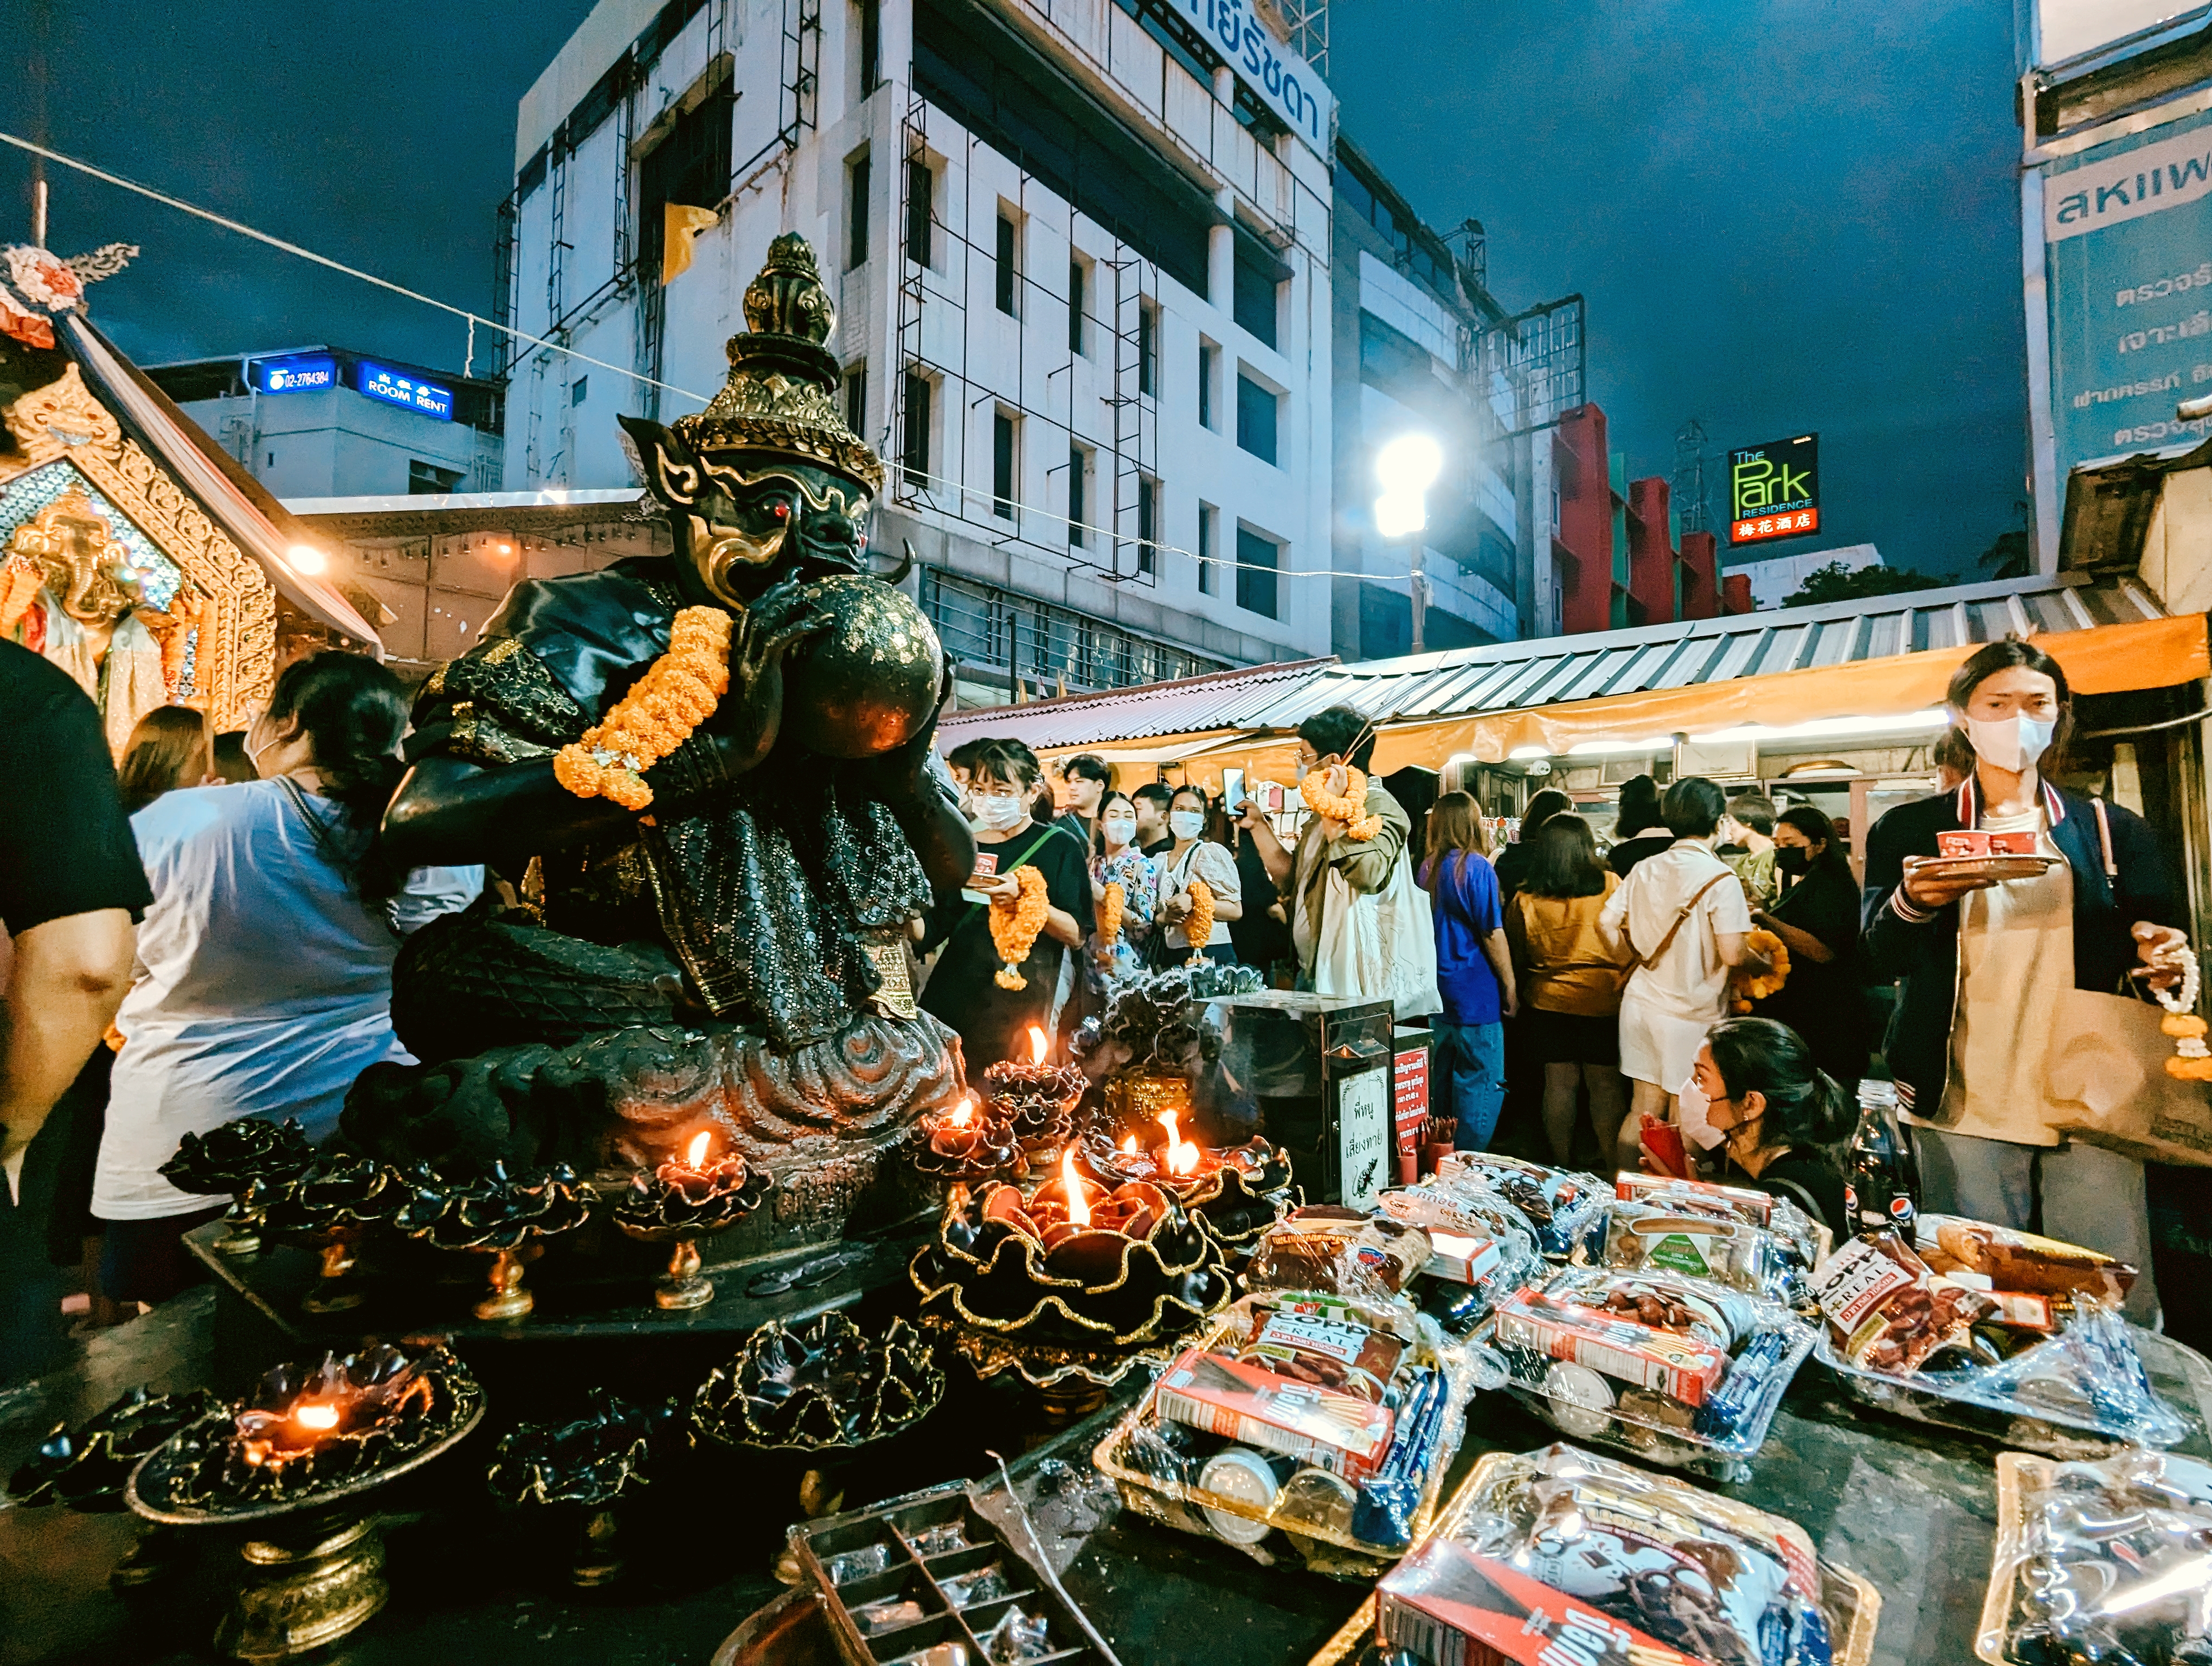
column 737, row 954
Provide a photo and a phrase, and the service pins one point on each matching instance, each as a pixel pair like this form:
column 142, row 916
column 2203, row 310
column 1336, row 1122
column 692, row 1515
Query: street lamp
column 1406, row 468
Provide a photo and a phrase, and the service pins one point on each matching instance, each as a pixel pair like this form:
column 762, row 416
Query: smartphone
column 986, row 868
column 1663, row 1141
column 1232, row 790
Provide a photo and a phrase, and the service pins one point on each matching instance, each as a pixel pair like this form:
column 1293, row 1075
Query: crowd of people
column 217, row 910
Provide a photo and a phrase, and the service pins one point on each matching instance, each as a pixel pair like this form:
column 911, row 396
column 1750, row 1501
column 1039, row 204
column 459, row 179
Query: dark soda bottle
column 1881, row 1182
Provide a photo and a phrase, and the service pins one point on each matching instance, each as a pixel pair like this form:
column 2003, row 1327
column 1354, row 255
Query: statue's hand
column 748, row 718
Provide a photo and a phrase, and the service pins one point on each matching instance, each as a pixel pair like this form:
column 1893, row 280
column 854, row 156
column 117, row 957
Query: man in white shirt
column 1684, row 915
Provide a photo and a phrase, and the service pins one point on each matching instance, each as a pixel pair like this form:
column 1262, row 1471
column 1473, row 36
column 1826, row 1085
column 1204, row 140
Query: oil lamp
column 683, row 1199
column 502, row 1215
column 1036, row 1097
column 968, row 1142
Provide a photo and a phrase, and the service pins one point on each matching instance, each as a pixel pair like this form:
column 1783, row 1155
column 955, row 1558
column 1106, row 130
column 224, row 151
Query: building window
column 1148, row 348
column 1209, row 368
column 871, row 21
column 1209, row 539
column 1002, row 465
column 1256, row 411
column 856, row 396
column 1555, row 509
column 1079, row 295
column 1258, row 558
column 856, row 211
column 914, row 446
column 1079, row 495
column 1254, row 304
column 691, row 166
column 920, row 193
column 578, row 389
column 1148, row 525
column 1009, row 273
column 425, row 477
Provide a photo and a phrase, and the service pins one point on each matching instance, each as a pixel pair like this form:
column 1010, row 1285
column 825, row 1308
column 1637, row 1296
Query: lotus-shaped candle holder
column 968, row 1142
column 826, row 1384
column 88, row 1468
column 310, row 1433
column 589, row 1464
column 497, row 1214
column 1237, row 1192
column 681, row 1202
column 1073, row 1264
column 330, row 1206
column 226, row 1161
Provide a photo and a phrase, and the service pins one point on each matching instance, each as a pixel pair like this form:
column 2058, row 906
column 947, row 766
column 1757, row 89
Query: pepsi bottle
column 1881, row 1182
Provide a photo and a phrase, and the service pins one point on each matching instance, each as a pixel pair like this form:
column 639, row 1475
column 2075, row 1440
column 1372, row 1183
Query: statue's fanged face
column 748, row 529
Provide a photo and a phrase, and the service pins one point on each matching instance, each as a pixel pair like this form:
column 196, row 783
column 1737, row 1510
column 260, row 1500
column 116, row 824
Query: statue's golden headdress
column 781, row 397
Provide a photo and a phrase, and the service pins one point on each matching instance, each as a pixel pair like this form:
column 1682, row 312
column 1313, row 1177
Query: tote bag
column 1379, row 947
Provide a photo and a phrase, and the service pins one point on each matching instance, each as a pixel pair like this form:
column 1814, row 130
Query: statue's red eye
column 783, row 512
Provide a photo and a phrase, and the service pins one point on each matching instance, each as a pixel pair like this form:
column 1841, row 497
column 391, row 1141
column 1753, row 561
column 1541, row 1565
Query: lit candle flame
column 314, row 1414
column 1129, row 1142
column 696, row 1156
column 963, row 1111
column 1038, row 1045
column 1078, row 1212
column 1181, row 1154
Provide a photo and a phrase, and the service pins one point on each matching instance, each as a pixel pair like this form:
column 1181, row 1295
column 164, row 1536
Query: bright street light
column 1406, row 468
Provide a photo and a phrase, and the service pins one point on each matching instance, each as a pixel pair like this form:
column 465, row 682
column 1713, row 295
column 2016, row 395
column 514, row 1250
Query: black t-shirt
column 1804, row 1177
column 1258, row 938
column 1629, row 852
column 65, row 845
column 1159, row 847
column 962, row 989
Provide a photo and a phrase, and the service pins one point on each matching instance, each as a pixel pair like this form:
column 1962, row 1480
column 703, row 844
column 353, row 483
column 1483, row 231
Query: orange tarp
column 2150, row 654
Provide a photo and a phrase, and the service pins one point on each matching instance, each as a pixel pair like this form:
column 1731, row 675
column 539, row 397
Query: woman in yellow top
column 1569, row 973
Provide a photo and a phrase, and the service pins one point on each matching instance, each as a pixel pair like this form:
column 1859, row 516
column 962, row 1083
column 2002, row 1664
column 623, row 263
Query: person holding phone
column 1987, row 965
column 1762, row 1115
column 962, row 988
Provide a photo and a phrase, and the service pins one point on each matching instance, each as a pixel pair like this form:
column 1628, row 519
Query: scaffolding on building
column 1691, row 485
column 1541, row 353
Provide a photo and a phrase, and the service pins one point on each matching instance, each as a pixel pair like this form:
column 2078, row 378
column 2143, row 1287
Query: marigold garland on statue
column 1200, row 927
column 1757, row 986
column 2192, row 1058
column 1350, row 809
column 1015, row 923
column 1109, row 912
column 675, row 695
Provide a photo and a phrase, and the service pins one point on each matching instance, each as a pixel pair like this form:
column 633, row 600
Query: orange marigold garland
column 1350, row 809
column 1015, row 923
column 675, row 695
column 1109, row 912
column 2192, row 1060
column 1200, row 926
column 1757, row 986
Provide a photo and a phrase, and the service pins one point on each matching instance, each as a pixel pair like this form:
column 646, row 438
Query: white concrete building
column 1080, row 251
column 323, row 421
column 1776, row 577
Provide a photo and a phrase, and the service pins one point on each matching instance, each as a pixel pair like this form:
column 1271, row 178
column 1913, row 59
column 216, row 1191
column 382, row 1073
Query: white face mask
column 1119, row 830
column 1697, row 1110
column 1001, row 813
column 1185, row 824
column 2010, row 742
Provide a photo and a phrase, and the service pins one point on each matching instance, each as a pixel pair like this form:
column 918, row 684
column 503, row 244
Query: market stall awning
column 1869, row 658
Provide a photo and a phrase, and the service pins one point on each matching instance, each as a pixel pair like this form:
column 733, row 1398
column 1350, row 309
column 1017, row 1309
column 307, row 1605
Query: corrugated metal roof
column 1553, row 670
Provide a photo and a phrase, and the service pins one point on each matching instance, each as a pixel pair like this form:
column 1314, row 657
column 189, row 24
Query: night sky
column 1785, row 214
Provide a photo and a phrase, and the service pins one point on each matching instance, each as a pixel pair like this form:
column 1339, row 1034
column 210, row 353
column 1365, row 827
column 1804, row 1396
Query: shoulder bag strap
column 1051, row 828
column 1666, row 942
column 2104, row 838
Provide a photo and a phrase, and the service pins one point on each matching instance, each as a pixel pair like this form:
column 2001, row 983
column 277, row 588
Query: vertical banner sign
column 1774, row 490
column 2127, row 232
column 1363, row 1138
column 1409, row 1087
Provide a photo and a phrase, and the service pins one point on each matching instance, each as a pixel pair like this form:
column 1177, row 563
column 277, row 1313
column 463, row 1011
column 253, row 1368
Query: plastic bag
column 1564, row 1555
column 1800, row 1235
column 2109, row 1560
column 1264, row 1434
column 1565, row 1210
column 1325, row 1246
column 1642, row 1238
column 1481, row 1249
column 1682, row 1372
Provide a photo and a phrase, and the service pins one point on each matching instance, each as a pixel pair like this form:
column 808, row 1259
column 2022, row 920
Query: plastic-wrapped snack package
column 1481, row 1249
column 1682, row 1372
column 1300, row 1424
column 1562, row 1555
column 1799, row 1233
column 1924, row 1346
column 1644, row 1239
column 2108, row 1562
column 2022, row 1263
column 1324, row 1246
column 1565, row 1210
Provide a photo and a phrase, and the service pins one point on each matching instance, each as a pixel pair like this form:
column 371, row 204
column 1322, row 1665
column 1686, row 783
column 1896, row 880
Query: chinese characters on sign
column 1774, row 490
column 397, row 387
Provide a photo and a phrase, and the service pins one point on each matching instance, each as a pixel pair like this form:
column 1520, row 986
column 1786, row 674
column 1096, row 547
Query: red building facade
column 1613, row 547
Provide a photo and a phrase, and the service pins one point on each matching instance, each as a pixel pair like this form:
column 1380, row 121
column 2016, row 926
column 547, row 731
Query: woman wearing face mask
column 962, row 988
column 1116, row 860
column 1193, row 856
column 1985, row 966
column 1817, row 918
column 1761, row 1114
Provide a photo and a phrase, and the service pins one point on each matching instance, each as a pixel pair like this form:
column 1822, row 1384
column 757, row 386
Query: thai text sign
column 1774, row 490
column 397, row 387
column 1285, row 83
column 2127, row 229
